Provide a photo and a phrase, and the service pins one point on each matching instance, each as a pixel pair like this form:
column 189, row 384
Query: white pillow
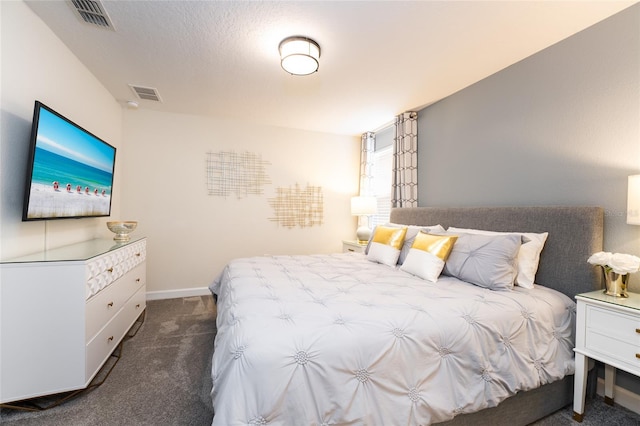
column 423, row 264
column 383, row 253
column 528, row 255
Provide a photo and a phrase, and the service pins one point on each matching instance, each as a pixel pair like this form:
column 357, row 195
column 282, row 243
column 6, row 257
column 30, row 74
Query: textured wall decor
column 239, row 173
column 295, row 206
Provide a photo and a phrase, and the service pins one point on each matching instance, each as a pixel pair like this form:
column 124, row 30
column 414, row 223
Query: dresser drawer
column 104, row 270
column 102, row 307
column 615, row 335
column 101, row 272
column 136, row 305
column 617, row 325
column 626, row 353
column 106, row 341
column 103, row 344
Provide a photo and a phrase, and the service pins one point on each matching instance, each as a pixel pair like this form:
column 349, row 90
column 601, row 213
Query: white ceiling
column 379, row 58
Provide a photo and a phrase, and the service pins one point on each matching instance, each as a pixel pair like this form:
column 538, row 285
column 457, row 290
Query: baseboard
column 175, row 294
column 622, row 396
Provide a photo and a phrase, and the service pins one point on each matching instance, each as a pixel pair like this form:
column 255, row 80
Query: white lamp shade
column 633, row 200
column 363, row 206
column 299, row 55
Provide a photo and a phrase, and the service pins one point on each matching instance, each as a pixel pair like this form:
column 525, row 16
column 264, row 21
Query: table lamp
column 363, row 207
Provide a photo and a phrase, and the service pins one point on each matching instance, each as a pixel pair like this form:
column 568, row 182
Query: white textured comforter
column 337, row 339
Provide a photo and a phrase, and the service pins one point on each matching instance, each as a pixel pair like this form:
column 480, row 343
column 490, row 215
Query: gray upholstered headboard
column 574, row 234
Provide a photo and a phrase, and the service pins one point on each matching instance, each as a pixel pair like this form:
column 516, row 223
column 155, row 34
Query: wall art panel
column 236, row 173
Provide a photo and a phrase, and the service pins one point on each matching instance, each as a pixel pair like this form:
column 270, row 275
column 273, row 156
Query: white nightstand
column 353, row 246
column 608, row 330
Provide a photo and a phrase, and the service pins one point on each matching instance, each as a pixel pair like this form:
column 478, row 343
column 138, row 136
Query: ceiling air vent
column 146, row 93
column 92, row 12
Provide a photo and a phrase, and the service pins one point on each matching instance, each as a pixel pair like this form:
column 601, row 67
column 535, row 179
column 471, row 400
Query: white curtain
column 367, row 150
column 368, row 141
column 405, row 161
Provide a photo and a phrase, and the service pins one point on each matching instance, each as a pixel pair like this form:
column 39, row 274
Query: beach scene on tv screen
column 72, row 171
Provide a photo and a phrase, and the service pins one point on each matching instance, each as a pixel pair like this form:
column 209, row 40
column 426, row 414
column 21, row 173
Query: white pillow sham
column 383, row 253
column 423, row 264
column 484, row 260
column 528, row 256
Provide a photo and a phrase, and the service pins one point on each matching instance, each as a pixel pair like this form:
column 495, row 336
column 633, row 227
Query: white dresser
column 608, row 330
column 64, row 311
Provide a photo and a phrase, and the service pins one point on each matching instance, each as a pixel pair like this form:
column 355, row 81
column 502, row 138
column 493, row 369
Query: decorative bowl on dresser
column 122, row 229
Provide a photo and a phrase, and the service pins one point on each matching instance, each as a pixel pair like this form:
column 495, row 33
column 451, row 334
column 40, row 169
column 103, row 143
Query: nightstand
column 353, row 246
column 607, row 330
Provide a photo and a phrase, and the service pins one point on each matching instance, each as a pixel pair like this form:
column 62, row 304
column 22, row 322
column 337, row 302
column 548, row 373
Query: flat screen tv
column 70, row 170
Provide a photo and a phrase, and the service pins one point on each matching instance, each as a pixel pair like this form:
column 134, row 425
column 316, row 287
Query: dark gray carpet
column 597, row 413
column 163, row 378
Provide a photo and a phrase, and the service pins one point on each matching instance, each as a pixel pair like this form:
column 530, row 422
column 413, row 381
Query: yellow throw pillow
column 438, row 245
column 389, row 236
column 386, row 244
column 428, row 254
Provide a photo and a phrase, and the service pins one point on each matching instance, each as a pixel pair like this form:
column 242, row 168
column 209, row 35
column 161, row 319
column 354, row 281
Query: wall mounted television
column 70, row 170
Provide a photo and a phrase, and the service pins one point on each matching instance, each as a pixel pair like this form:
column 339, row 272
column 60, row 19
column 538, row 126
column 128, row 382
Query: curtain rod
column 393, row 121
column 385, row 125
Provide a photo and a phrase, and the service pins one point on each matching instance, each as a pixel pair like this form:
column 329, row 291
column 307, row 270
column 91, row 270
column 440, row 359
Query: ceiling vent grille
column 146, row 93
column 92, row 12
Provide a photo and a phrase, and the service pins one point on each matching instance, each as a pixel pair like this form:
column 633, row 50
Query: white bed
column 338, row 339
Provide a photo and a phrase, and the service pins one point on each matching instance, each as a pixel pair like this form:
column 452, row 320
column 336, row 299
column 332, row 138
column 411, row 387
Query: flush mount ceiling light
column 299, row 55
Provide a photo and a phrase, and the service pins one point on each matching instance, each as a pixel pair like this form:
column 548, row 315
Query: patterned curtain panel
column 405, row 161
column 366, row 163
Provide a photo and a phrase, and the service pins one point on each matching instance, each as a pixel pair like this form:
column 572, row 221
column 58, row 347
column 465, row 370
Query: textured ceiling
column 220, row 58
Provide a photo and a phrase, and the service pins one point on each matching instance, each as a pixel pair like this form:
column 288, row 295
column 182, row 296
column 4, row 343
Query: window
column 381, row 174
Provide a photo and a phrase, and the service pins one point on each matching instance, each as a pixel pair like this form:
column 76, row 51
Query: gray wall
column 561, row 127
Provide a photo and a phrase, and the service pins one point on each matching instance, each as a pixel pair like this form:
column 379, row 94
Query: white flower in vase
column 618, row 262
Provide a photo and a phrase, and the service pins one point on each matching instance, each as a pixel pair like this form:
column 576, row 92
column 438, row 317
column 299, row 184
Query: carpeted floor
column 163, row 379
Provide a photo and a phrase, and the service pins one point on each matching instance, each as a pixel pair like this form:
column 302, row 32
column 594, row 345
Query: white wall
column 192, row 235
column 36, row 65
column 160, row 175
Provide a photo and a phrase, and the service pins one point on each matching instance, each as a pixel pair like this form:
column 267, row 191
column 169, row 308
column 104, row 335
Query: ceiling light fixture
column 299, row 55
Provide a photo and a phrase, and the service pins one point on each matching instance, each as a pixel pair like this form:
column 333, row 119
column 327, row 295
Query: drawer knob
column 137, row 280
column 137, row 306
column 638, row 356
column 638, row 330
column 110, row 304
column 110, row 270
column 110, row 338
column 138, row 254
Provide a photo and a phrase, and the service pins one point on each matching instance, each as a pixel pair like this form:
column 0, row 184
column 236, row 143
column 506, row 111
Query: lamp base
column 363, row 234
